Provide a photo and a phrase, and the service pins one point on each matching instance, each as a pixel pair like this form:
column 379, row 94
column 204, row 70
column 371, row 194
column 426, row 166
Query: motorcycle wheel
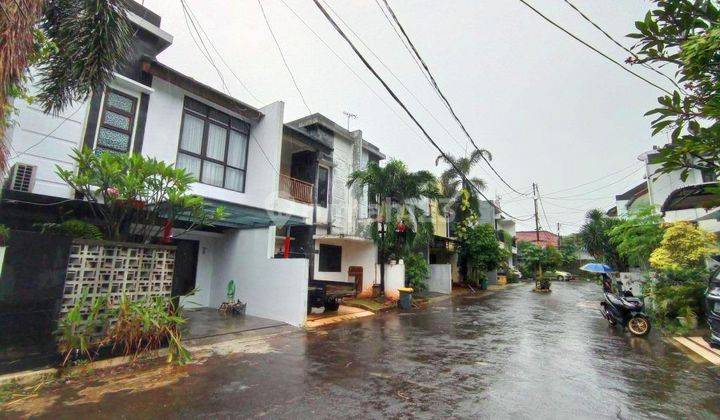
column 639, row 325
column 606, row 315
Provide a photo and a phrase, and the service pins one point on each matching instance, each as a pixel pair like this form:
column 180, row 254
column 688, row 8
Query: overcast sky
column 549, row 109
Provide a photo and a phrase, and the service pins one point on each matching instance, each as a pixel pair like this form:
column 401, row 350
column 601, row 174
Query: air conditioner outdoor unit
column 22, row 177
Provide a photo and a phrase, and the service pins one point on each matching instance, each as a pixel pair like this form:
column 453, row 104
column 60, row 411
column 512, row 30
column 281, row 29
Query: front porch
column 208, row 322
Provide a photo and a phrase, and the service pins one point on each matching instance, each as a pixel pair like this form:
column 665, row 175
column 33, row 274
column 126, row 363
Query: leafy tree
column 417, row 271
column 135, row 197
column 453, row 180
column 683, row 246
column 75, row 45
column 595, row 236
column 686, row 35
column 479, row 246
column 638, row 235
column 569, row 249
column 538, row 258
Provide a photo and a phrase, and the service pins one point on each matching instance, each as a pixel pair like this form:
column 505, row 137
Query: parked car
column 559, row 275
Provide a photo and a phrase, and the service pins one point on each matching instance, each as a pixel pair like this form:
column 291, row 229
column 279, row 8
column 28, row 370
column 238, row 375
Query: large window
column 330, row 258
column 213, row 146
column 116, row 123
column 709, row 175
column 323, row 179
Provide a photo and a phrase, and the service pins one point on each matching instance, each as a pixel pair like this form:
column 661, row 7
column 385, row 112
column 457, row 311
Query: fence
column 296, row 189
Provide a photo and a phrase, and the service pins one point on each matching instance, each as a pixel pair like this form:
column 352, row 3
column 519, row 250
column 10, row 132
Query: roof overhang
column 200, row 89
column 245, row 217
column 712, row 215
column 692, row 197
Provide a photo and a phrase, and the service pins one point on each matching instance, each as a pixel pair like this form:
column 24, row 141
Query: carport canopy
column 692, row 197
column 238, row 216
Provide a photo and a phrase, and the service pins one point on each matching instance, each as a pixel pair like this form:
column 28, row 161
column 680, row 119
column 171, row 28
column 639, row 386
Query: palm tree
column 395, row 183
column 453, row 180
column 74, row 44
column 595, row 236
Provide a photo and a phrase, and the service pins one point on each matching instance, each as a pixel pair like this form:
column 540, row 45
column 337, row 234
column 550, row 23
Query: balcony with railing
column 295, row 189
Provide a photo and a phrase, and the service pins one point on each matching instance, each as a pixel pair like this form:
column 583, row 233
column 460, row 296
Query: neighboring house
column 677, row 198
column 234, row 149
column 344, row 252
column 509, row 239
column 632, row 200
column 546, row 238
column 504, row 228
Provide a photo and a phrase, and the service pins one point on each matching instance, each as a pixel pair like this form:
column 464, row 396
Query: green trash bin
column 484, row 284
column 405, row 301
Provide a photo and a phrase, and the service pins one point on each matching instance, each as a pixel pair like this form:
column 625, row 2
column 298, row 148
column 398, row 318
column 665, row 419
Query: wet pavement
column 514, row 354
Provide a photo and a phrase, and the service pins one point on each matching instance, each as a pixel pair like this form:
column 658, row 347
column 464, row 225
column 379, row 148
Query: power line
column 616, row 42
column 437, row 89
column 402, row 105
column 339, row 57
column 282, row 55
column 575, row 37
column 219, row 55
column 382, row 63
column 596, row 180
column 601, row 188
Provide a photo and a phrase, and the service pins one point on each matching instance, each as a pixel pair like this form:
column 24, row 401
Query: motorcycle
column 625, row 309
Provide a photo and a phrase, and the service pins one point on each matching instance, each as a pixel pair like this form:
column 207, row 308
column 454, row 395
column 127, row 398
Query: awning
column 245, row 217
column 691, row 197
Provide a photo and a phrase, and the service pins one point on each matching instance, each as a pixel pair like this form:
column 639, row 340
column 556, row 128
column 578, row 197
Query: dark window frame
column 210, row 115
column 323, row 262
column 708, row 175
column 102, row 124
column 323, row 201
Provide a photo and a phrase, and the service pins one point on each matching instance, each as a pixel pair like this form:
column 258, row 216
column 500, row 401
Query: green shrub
column 4, row 234
column 74, row 228
column 80, row 330
column 417, row 271
column 678, row 293
column 512, row 277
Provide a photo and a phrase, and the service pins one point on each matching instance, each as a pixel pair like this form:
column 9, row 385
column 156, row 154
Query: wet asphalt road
column 514, row 354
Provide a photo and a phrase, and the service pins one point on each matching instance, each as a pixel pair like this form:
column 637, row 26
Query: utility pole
column 559, row 237
column 349, row 115
column 537, row 218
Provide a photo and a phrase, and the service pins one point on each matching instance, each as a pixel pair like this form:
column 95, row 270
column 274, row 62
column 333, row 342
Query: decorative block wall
column 114, row 268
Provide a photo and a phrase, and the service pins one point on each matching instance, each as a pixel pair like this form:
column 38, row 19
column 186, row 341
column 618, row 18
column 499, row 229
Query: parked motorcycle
column 625, row 309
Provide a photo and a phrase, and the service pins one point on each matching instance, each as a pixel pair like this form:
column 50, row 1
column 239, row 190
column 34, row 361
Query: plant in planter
column 4, row 235
column 137, row 198
column 417, row 271
column 80, row 330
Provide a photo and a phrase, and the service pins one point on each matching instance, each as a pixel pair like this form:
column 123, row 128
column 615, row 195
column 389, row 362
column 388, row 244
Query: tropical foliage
column 4, row 234
column 73, row 228
column 685, row 35
column 479, row 245
column 136, row 197
column 417, row 271
column 129, row 328
column 683, row 245
column 74, row 44
column 537, row 258
column 452, row 180
column 638, row 235
column 595, row 236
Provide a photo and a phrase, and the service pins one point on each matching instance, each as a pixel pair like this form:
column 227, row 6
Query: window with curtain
column 116, row 123
column 213, row 146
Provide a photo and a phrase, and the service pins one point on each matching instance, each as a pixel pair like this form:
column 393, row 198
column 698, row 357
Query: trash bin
column 405, row 301
column 484, row 284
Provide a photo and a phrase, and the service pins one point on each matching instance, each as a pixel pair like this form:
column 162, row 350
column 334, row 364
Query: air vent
column 23, row 177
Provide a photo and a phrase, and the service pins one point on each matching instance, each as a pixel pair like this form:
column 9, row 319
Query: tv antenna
column 349, row 115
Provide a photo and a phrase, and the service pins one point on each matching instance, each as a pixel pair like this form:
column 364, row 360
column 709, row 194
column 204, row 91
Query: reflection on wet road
column 515, row 354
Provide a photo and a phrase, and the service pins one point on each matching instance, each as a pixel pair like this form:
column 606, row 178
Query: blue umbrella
column 597, row 268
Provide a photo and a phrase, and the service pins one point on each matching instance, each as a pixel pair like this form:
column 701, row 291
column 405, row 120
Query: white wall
column 394, row 279
column 354, row 253
column 31, row 142
column 440, row 280
column 205, row 274
column 273, row 288
column 341, row 197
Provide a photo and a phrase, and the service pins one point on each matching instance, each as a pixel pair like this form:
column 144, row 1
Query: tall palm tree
column 74, row 44
column 394, row 182
column 595, row 236
column 453, row 180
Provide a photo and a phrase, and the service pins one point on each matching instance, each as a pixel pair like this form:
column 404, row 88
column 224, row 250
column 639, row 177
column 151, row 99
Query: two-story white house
column 234, row 150
column 668, row 193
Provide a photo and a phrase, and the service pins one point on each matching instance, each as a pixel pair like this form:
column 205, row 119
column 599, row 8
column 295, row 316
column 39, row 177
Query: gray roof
column 326, row 122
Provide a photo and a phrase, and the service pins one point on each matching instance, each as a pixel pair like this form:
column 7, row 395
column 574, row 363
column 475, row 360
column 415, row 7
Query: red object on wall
column 286, row 249
column 167, row 232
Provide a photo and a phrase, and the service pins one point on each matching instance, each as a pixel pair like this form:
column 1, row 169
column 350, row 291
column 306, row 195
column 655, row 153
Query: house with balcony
column 342, row 252
column 244, row 159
